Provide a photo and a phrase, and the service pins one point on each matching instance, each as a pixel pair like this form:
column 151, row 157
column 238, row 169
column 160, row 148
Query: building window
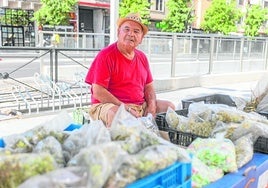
column 265, row 4
column 159, row 5
column 16, row 27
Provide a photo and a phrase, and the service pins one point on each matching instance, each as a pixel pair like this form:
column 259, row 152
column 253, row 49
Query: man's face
column 130, row 34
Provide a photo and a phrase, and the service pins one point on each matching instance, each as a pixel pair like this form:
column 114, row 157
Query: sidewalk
column 26, row 122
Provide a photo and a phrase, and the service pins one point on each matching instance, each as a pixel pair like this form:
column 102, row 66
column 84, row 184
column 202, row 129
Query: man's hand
column 134, row 113
column 150, row 109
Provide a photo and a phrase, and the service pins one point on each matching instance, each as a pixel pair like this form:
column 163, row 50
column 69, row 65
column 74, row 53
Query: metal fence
column 173, row 54
column 61, row 66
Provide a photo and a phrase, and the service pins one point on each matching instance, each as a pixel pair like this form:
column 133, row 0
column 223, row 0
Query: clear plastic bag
column 244, row 150
column 258, row 101
column 52, row 146
column 215, row 153
column 124, row 124
column 101, row 161
column 131, row 131
column 88, row 134
column 202, row 174
column 261, row 88
column 21, row 166
column 176, row 121
column 147, row 161
column 263, row 104
column 200, row 120
column 149, row 122
column 24, row 142
column 59, row 178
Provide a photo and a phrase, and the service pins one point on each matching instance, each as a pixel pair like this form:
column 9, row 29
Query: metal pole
column 174, row 55
column 51, row 64
column 114, row 15
column 241, row 53
column 56, row 66
column 212, row 42
column 266, row 55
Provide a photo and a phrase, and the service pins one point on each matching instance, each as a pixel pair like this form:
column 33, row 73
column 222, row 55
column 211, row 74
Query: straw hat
column 135, row 17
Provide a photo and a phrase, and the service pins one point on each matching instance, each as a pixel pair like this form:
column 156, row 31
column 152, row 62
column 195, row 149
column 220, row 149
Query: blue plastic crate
column 250, row 175
column 2, row 143
column 72, row 127
column 177, row 175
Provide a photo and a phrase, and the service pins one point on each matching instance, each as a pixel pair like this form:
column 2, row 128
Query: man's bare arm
column 103, row 95
column 150, row 98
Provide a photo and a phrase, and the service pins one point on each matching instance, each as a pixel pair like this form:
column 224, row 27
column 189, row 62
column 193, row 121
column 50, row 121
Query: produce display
column 16, row 168
column 92, row 156
column 215, row 124
column 212, row 120
column 131, row 149
column 215, row 153
column 243, row 150
column 203, row 174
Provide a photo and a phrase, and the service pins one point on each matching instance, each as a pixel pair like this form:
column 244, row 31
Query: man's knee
column 162, row 106
column 171, row 105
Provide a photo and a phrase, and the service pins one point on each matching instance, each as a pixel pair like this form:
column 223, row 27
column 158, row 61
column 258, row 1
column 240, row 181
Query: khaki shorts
column 99, row 111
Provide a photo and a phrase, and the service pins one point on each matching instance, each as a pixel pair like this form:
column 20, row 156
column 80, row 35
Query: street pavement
column 25, row 122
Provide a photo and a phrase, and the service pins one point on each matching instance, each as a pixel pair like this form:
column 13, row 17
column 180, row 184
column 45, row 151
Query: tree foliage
column 178, row 17
column 255, row 17
column 135, row 6
column 221, row 17
column 54, row 12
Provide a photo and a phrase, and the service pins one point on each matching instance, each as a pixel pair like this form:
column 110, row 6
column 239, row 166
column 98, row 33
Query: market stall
column 211, row 142
column 59, row 153
column 208, row 121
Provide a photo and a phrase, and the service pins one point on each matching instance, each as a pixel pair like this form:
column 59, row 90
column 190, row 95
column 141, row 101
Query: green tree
column 133, row 6
column 54, row 12
column 178, row 17
column 221, row 17
column 255, row 17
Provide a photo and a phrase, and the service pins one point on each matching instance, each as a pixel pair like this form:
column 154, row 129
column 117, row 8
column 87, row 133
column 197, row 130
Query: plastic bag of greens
column 124, row 124
column 216, row 112
column 138, row 141
column 16, row 168
column 202, row 174
column 81, row 115
column 200, row 120
column 132, row 133
column 236, row 131
column 101, row 161
column 63, row 177
column 176, row 121
column 52, row 146
column 147, row 161
column 244, row 150
column 89, row 134
column 149, row 122
column 215, row 153
column 24, row 142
